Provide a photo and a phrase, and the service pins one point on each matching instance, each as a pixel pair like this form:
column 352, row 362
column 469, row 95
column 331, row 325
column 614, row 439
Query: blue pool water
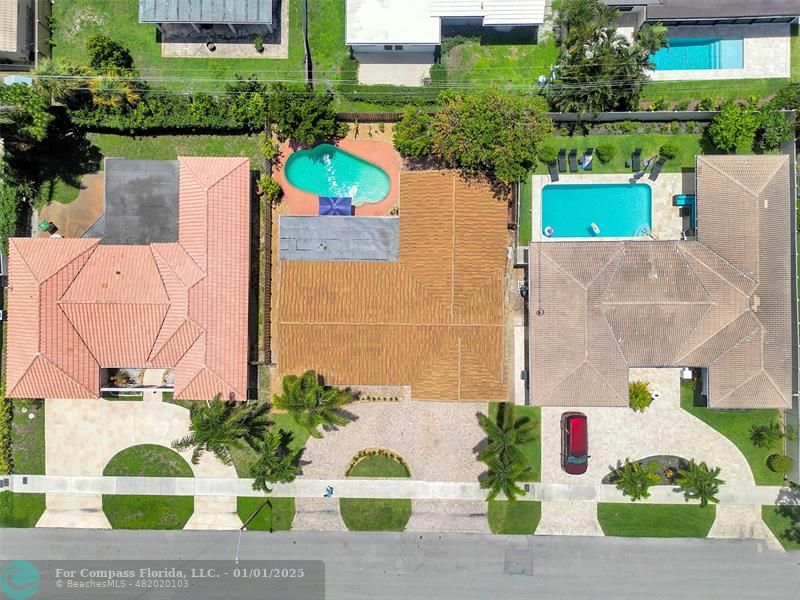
column 326, row 170
column 618, row 209
column 684, row 54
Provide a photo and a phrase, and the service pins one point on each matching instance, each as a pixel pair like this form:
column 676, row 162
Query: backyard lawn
column 148, row 460
column 532, row 450
column 277, row 518
column 784, row 521
column 169, row 147
column 655, row 520
column 520, row 518
column 148, row 512
column 56, row 190
column 75, row 20
column 27, row 437
column 20, row 510
column 376, row 514
column 735, row 425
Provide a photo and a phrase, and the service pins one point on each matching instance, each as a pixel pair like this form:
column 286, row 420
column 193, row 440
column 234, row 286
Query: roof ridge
column 237, row 161
column 91, row 250
column 682, row 245
column 78, row 333
column 153, row 249
column 744, row 339
column 732, row 179
column 745, row 382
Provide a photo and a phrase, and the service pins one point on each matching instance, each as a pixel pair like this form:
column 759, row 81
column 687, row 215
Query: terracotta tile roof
column 77, row 306
column 722, row 302
column 433, row 320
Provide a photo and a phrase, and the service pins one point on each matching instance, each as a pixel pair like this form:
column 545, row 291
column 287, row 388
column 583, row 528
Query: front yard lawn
column 148, row 460
column 375, row 514
column 655, row 520
column 148, row 512
column 784, row 521
column 735, row 425
column 531, row 450
column 378, row 466
column 20, row 510
column 27, row 437
column 277, row 518
column 520, row 517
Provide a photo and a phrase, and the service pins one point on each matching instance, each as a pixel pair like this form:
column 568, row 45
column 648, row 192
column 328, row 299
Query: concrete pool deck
column 667, row 222
column 381, row 154
column 767, row 51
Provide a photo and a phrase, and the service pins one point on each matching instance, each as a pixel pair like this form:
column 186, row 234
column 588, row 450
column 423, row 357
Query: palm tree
column 506, row 435
column 114, row 89
column 651, row 38
column 218, row 426
column 277, row 461
column 59, row 77
column 311, row 403
column 698, row 481
column 502, row 478
column 634, row 480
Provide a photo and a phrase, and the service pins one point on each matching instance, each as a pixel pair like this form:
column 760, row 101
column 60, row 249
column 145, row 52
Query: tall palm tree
column 506, row 435
column 218, row 426
column 312, row 404
column 634, row 480
column 59, row 77
column 651, row 38
column 277, row 462
column 502, row 478
column 700, row 482
column 114, row 89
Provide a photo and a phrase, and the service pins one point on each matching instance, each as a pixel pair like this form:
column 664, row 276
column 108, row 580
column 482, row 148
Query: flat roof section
column 338, row 238
column 238, row 12
column 141, row 198
column 391, row 22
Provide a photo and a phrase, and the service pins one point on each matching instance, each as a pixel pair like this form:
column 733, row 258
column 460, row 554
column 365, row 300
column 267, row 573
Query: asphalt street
column 406, row 566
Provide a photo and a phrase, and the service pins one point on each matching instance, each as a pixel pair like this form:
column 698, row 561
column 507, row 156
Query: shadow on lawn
column 788, row 505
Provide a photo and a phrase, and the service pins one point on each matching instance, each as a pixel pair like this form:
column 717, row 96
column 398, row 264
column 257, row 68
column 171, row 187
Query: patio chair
column 657, row 168
column 588, row 159
column 553, row 168
column 573, row 161
column 636, row 160
column 562, row 160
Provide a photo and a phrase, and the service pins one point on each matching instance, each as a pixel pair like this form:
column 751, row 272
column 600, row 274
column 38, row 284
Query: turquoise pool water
column 684, row 54
column 618, row 210
column 326, row 170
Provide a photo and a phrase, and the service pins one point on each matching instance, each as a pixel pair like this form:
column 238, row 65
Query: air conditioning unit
column 3, row 315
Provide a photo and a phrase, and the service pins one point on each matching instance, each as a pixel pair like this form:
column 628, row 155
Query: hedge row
column 393, row 95
column 6, row 418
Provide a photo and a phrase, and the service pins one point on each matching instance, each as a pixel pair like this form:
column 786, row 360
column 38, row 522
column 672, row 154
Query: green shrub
column 639, row 396
column 548, row 153
column 766, row 436
column 268, row 148
column 451, row 42
column 708, row 104
column 606, row 152
column 787, row 98
column 396, row 95
column 258, row 43
column 270, row 189
column 10, row 202
column 669, row 150
column 780, row 463
column 438, row 75
column 413, row 135
column 6, row 419
column 681, row 105
column 733, row 128
column 105, row 54
column 773, row 130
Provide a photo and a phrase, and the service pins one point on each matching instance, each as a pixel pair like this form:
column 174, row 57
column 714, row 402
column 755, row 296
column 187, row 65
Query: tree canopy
column 733, row 128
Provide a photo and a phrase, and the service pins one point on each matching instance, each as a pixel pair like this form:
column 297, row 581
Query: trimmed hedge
column 6, row 419
column 394, row 95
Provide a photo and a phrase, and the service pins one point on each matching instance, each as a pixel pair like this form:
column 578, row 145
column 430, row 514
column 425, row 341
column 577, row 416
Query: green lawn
column 27, row 437
column 532, row 450
column 378, row 466
column 525, row 226
column 169, row 147
column 148, row 460
column 374, row 514
column 75, row 20
column 56, row 190
column 655, row 520
column 727, row 89
column 784, row 521
column 735, row 425
column 278, row 518
column 20, row 510
column 520, row 518
column 148, row 512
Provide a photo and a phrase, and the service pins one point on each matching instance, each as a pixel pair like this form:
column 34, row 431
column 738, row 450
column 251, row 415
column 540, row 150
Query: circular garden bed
column 376, row 514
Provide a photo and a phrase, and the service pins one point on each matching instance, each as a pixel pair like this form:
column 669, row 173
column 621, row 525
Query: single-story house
column 17, row 31
column 206, row 12
column 709, row 12
column 80, row 305
column 415, row 25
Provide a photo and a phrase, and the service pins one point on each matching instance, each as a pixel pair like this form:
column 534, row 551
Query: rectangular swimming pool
column 693, row 54
column 616, row 209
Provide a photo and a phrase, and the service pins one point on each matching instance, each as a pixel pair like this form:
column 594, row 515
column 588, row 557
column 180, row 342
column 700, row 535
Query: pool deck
column 376, row 152
column 767, row 51
column 667, row 223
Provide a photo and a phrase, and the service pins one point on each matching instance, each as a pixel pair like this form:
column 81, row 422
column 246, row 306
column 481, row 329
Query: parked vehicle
column 574, row 443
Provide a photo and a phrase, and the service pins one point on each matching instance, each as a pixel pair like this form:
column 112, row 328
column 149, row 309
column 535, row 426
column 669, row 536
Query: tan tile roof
column 9, row 41
column 722, row 302
column 77, row 306
column 433, row 320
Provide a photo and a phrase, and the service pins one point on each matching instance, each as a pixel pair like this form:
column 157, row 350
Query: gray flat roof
column 710, row 9
column 334, row 238
column 141, row 202
column 239, row 12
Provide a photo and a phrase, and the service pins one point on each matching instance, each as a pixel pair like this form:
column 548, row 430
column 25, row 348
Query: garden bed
column 667, row 468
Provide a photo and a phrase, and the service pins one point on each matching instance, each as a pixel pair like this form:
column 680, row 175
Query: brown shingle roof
column 433, row 320
column 75, row 305
column 722, row 302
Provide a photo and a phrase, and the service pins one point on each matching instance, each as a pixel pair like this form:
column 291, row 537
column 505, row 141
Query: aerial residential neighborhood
column 422, row 298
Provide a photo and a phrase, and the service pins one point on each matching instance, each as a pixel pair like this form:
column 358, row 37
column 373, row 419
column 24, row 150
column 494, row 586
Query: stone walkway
column 317, row 514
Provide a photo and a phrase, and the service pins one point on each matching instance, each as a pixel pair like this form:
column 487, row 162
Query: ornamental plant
column 639, row 396
column 780, row 463
column 606, row 152
column 633, row 480
column 699, row 481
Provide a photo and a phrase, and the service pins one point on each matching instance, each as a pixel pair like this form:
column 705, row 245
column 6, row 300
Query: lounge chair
column 553, row 167
column 636, row 160
column 573, row 161
column 587, row 159
column 657, row 168
column 562, row 160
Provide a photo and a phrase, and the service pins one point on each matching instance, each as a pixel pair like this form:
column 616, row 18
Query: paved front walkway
column 449, row 516
column 569, row 518
column 742, row 522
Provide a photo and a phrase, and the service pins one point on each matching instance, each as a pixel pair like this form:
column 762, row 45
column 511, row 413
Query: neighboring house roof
column 721, row 302
column 8, row 26
column 433, row 320
column 76, row 305
column 494, row 12
column 709, row 9
column 239, row 12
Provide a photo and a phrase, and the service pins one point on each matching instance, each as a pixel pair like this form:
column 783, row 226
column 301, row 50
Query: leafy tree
column 311, row 403
column 10, row 203
column 492, row 132
column 634, row 480
column 59, row 78
column 502, row 478
column 247, row 102
column 106, row 54
column 25, row 116
column 548, row 153
column 651, row 37
column 506, row 435
column 780, row 463
column 276, row 463
column 270, row 189
column 773, row 130
column 303, row 114
column 114, row 89
column 218, row 426
column 700, row 482
column 734, row 127
column 639, row 396
column 413, row 134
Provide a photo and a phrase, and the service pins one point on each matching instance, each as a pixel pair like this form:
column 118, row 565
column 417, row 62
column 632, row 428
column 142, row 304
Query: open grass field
column 27, row 437
column 278, row 517
column 655, row 520
column 515, row 518
column 170, row 147
column 20, row 510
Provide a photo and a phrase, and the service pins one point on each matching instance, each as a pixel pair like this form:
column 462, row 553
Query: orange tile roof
column 76, row 306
